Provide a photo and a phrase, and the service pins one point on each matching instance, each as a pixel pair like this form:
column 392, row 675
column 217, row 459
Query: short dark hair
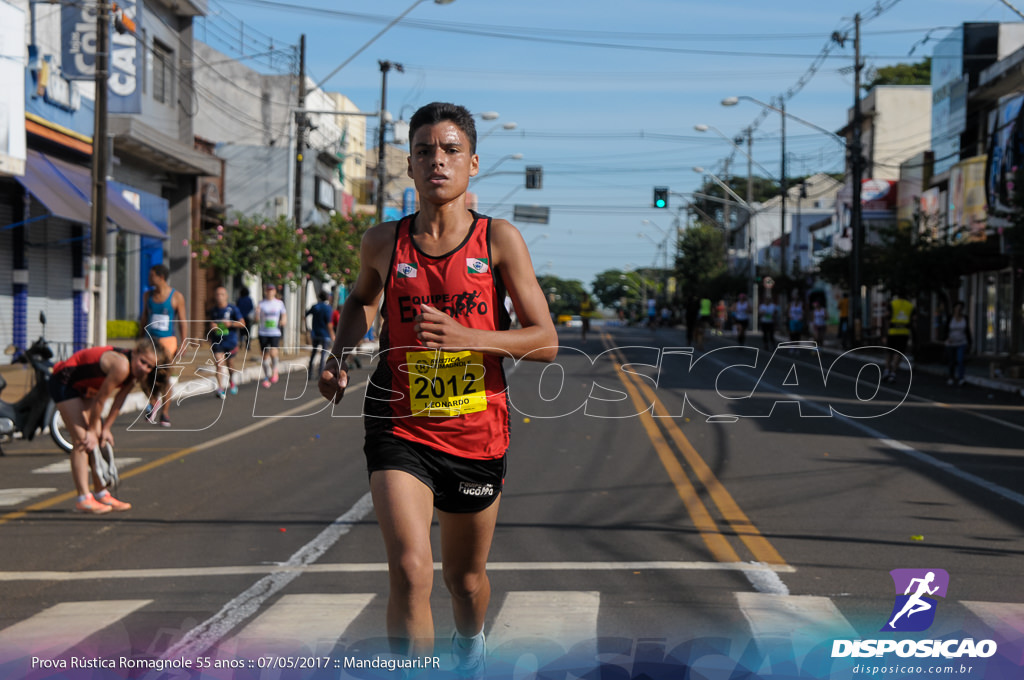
column 161, row 270
column 324, row 296
column 437, row 112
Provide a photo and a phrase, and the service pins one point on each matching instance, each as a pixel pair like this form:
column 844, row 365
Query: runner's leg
column 465, row 544
column 405, row 509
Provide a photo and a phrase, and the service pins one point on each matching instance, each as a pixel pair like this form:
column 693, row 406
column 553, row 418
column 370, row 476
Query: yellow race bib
column 445, row 384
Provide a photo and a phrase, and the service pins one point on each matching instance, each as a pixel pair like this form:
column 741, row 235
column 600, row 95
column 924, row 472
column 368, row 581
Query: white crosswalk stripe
column 799, row 620
column 313, row 623
column 54, row 631
column 11, row 497
column 526, row 624
column 64, row 467
column 566, row 617
column 999, row 615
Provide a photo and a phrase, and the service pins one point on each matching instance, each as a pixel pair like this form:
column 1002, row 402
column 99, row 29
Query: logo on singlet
column 406, row 270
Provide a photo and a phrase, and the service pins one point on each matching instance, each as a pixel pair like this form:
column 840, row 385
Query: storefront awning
column 65, row 189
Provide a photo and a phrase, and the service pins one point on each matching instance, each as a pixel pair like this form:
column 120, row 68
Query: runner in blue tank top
column 162, row 306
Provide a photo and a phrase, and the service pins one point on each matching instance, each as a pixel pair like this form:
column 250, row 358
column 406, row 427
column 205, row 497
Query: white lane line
column 799, row 619
column 207, row 634
column 53, row 631
column 11, row 497
column 362, row 567
column 910, row 450
column 312, row 623
column 566, row 617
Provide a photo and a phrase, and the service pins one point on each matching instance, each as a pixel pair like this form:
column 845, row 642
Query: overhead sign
column 531, row 213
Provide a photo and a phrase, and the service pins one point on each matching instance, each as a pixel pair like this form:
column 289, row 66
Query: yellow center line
column 716, row 543
column 170, row 458
column 759, row 546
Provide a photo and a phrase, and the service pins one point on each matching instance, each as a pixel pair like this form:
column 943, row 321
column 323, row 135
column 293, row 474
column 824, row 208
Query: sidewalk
column 19, row 376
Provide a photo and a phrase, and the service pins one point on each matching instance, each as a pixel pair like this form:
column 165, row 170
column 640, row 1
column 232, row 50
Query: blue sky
column 605, row 94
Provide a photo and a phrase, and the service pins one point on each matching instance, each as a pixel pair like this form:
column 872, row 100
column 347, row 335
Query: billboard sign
column 12, row 80
column 78, row 56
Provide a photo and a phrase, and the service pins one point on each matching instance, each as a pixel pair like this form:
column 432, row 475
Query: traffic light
column 660, row 197
column 534, row 177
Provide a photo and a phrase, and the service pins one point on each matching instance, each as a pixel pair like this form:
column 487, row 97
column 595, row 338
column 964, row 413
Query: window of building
column 163, row 73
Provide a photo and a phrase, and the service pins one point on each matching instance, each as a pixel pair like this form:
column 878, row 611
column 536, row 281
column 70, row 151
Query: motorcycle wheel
column 60, row 432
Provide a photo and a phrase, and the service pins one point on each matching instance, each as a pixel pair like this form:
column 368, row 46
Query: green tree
column 702, row 252
column 262, row 246
column 564, row 295
column 919, row 73
column 277, row 252
column 332, row 250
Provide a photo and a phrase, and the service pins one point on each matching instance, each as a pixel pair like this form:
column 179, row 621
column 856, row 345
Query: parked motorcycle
column 35, row 411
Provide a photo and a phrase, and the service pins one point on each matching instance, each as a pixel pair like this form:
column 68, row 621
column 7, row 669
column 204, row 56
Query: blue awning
column 66, row 190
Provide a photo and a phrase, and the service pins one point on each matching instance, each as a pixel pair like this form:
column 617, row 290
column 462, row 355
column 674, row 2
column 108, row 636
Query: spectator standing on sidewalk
column 248, row 309
column 767, row 312
column 958, row 343
column 321, row 334
column 819, row 322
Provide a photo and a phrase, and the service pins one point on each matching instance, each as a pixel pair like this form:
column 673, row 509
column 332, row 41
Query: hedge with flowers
column 279, row 253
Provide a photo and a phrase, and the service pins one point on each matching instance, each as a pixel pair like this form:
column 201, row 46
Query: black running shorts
column 459, row 484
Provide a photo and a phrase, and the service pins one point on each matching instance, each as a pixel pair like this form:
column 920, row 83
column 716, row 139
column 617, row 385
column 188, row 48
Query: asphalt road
column 653, row 499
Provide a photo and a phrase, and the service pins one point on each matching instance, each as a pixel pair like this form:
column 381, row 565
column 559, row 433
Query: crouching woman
column 80, row 386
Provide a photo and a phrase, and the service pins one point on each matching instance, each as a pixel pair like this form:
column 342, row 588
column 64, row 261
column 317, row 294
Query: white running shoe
column 470, row 656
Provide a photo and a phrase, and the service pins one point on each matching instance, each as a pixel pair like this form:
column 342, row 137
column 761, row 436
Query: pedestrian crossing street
column 316, row 623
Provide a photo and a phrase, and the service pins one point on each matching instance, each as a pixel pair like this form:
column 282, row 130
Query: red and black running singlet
column 81, row 371
column 451, row 401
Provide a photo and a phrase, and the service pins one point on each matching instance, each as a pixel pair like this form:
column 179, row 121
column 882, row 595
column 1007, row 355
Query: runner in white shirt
column 271, row 318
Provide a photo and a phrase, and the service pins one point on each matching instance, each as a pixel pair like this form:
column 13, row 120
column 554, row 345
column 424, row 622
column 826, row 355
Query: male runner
column 225, row 321
column 443, row 272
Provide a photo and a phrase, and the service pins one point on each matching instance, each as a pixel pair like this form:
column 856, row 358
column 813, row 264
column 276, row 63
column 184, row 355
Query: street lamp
column 504, row 126
column 732, row 101
column 781, row 110
column 490, row 170
column 750, row 240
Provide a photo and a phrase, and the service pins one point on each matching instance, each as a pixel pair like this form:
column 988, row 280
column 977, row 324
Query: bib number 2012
column 446, row 384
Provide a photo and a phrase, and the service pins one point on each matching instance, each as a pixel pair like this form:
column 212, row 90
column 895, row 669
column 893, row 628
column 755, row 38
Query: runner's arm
column 537, row 340
column 178, row 303
column 360, row 308
column 117, row 368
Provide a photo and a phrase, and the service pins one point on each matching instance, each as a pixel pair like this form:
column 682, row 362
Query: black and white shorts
column 459, row 484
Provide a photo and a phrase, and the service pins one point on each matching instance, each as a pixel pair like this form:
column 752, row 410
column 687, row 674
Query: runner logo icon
column 914, row 609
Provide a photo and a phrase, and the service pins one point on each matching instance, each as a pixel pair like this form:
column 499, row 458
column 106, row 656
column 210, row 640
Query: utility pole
column 751, row 244
column 857, row 172
column 382, row 176
column 300, row 134
column 783, row 188
column 100, row 161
